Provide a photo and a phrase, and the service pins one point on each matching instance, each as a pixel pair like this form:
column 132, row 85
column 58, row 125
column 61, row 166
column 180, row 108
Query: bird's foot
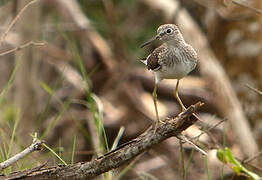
column 183, row 108
column 157, row 124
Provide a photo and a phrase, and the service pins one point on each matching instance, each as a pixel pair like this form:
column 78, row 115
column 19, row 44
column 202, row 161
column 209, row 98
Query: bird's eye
column 168, row 31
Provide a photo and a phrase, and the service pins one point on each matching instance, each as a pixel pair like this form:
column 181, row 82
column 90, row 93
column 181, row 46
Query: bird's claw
column 157, row 124
column 183, row 108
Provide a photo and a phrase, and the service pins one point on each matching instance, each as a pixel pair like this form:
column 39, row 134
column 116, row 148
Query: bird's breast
column 176, row 68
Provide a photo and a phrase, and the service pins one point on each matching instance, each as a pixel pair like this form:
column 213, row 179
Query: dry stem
column 35, row 146
column 22, row 47
column 15, row 20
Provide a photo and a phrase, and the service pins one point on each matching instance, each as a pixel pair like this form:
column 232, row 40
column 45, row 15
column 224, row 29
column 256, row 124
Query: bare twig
column 22, row 47
column 252, row 158
column 15, row 20
column 210, row 128
column 124, row 153
column 35, row 146
column 254, row 89
column 184, row 138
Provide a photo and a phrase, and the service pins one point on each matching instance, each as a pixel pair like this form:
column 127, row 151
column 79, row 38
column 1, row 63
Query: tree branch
column 35, row 146
column 123, row 154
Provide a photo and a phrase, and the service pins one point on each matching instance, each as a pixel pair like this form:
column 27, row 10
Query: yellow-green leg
column 177, row 97
column 155, row 104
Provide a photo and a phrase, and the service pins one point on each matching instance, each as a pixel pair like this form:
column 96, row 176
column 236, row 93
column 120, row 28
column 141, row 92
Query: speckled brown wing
column 152, row 62
column 154, row 59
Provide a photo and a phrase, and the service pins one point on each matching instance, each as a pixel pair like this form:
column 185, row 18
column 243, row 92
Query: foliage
column 227, row 158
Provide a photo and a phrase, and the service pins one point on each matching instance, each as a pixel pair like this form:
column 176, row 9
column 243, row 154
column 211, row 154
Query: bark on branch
column 122, row 155
column 35, row 146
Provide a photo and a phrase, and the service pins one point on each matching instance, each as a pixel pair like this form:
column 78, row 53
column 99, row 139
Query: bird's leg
column 177, row 97
column 155, row 103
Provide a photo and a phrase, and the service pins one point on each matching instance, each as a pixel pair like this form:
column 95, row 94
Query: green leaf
column 221, row 155
column 231, row 157
column 237, row 170
column 227, row 157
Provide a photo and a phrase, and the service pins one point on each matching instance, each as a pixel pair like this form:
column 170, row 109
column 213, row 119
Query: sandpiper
column 174, row 59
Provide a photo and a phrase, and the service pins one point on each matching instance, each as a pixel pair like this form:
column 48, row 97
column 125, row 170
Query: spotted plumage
column 174, row 59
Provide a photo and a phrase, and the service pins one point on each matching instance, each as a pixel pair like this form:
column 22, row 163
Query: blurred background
column 70, row 71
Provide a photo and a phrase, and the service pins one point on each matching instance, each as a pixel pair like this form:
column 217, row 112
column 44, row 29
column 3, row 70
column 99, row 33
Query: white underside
column 179, row 71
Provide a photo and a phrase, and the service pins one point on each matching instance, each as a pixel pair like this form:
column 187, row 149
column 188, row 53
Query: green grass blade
column 147, row 175
column 51, row 125
column 9, row 83
column 73, row 150
column 46, row 108
column 97, row 116
column 189, row 161
column 207, row 169
column 13, row 134
column 224, row 153
column 54, row 153
column 59, row 147
column 4, row 144
column 46, row 88
column 99, row 121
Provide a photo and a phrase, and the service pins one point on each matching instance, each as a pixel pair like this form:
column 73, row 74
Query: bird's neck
column 176, row 43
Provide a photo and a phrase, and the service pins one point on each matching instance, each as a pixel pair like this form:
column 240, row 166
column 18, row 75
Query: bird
column 174, row 59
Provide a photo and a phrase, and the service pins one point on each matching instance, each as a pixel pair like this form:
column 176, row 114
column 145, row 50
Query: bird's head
column 167, row 33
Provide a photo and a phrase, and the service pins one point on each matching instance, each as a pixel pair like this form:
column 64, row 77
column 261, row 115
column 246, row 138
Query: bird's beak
column 151, row 40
